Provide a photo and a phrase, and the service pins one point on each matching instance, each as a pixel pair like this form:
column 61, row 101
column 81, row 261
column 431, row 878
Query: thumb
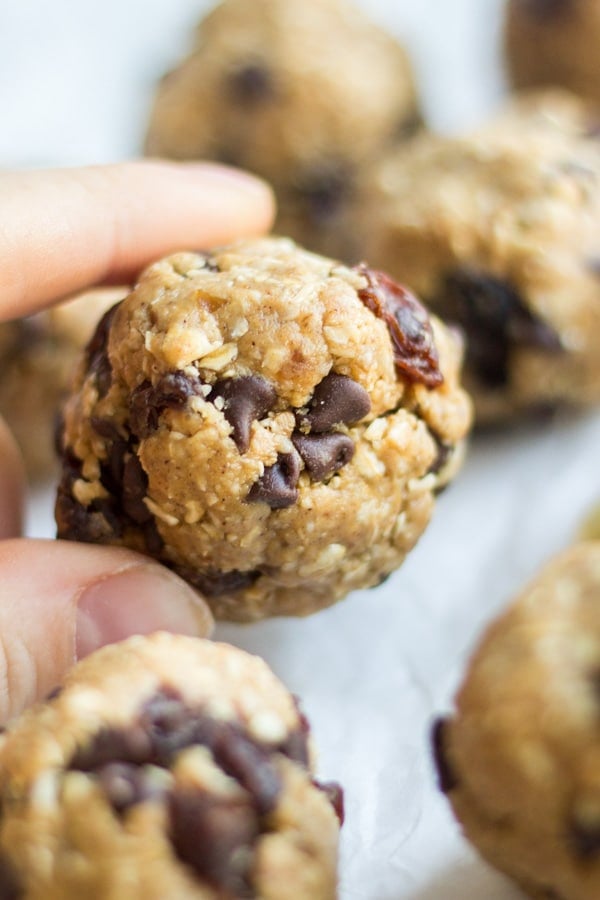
column 60, row 601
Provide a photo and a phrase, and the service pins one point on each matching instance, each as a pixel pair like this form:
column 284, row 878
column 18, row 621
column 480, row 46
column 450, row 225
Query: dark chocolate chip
column 214, row 583
column 152, row 538
column 325, row 192
column 323, row 454
column 109, row 745
column 97, row 352
column 415, row 353
column 125, row 785
column 148, row 401
column 94, row 524
column 542, row 9
column 277, row 486
column 135, row 485
column 54, row 693
column 246, row 399
column 250, row 764
column 251, row 85
column 336, row 400
column 584, row 839
column 10, row 884
column 335, row 795
column 495, row 319
column 447, row 779
column 106, row 428
column 210, row 835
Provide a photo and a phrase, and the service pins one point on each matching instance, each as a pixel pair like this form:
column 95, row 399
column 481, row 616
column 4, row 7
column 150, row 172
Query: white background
column 75, row 81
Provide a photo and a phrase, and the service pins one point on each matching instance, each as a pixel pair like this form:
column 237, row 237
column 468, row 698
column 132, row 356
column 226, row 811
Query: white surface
column 74, row 86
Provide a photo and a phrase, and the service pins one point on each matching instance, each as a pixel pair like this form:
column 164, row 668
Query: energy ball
column 37, row 357
column 165, row 766
column 267, row 422
column 520, row 758
column 304, row 94
column 554, row 42
column 498, row 232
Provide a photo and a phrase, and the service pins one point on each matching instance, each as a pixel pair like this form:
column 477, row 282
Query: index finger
column 64, row 230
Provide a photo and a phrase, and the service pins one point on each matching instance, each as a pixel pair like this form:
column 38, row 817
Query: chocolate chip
column 213, row 583
column 10, row 884
column 335, row 795
column 96, row 351
column 325, row 192
column 210, row 834
column 584, row 839
column 541, row 9
column 94, row 524
column 277, row 486
column 251, row 85
column 246, row 399
column 415, row 353
column 131, row 745
column 152, row 538
column 53, row 694
column 250, row 764
column 447, row 779
column 295, row 746
column 125, row 785
column 148, row 401
column 323, row 454
column 409, row 125
column 495, row 319
column 135, row 485
column 336, row 400
column 106, row 428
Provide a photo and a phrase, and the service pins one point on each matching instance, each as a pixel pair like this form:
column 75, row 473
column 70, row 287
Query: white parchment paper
column 75, row 82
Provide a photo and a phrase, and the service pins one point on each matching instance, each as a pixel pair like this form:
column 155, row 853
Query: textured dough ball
column 554, row 42
column 520, row 758
column 165, row 766
column 498, row 231
column 37, row 357
column 304, row 94
column 268, row 423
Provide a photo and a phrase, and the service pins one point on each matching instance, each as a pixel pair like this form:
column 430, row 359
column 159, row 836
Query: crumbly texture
column 520, row 757
column 498, row 232
column 37, row 357
column 246, row 417
column 554, row 42
column 304, row 94
column 165, row 767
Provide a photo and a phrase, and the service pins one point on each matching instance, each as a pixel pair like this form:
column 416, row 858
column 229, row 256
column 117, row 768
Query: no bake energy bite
column 165, row 767
column 304, row 94
column 498, row 231
column 267, row 422
column 520, row 757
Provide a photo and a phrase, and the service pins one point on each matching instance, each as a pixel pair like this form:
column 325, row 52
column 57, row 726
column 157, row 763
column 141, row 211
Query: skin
column 61, row 232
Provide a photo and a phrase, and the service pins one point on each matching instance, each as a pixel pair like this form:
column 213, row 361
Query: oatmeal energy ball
column 554, row 42
column 304, row 94
column 268, row 423
column 498, row 231
column 520, row 757
column 166, row 767
column 37, row 357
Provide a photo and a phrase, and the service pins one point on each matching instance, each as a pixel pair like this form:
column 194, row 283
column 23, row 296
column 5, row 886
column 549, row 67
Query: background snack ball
column 497, row 231
column 520, row 757
column 304, row 94
column 267, row 422
column 554, row 42
column 37, row 357
column 166, row 766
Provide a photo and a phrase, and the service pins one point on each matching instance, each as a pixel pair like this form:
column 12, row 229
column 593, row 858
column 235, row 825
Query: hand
column 61, row 232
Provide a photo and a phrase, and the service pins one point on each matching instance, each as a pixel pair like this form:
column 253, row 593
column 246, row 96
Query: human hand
column 60, row 232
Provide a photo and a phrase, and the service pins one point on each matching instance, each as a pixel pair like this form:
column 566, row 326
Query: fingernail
column 138, row 600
